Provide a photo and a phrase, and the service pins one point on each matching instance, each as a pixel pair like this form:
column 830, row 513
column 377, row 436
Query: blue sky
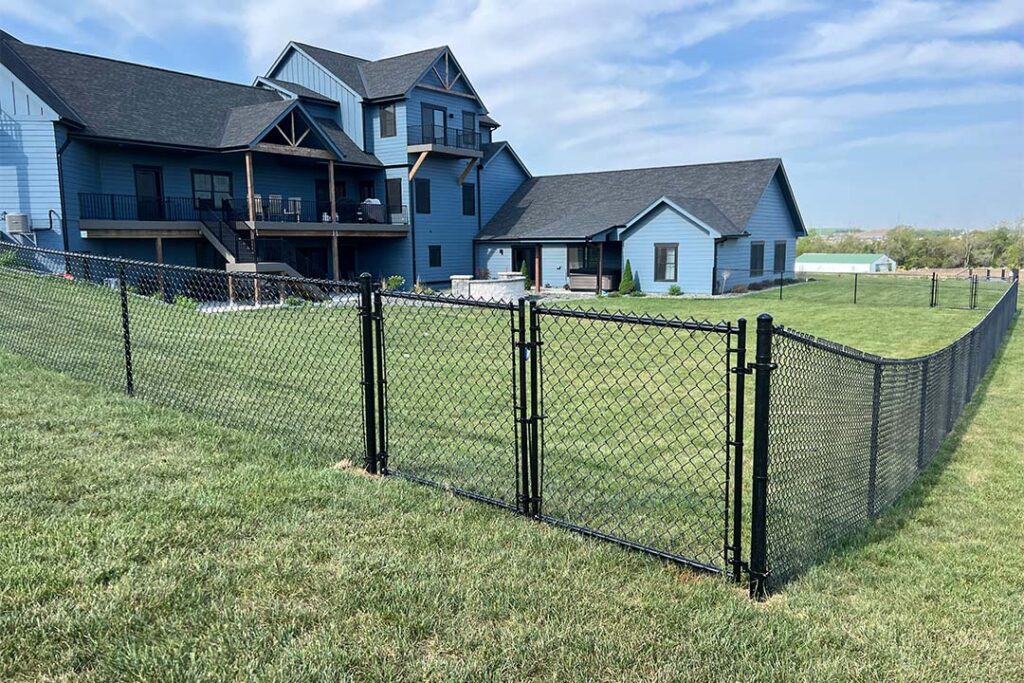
column 884, row 111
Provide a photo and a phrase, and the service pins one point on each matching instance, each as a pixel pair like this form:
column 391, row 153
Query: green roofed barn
column 844, row 263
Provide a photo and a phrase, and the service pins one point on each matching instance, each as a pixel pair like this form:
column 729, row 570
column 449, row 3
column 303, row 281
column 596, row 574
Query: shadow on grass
column 893, row 520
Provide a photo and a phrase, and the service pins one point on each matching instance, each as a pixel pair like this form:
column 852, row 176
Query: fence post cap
column 765, row 316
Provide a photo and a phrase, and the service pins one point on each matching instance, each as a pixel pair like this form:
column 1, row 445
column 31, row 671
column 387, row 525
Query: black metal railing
column 129, row 207
column 442, row 135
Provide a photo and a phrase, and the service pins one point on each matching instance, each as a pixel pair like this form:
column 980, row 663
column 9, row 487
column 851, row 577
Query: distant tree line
column 999, row 247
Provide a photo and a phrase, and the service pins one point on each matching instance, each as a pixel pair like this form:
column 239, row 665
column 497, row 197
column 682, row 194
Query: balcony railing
column 442, row 135
column 274, row 209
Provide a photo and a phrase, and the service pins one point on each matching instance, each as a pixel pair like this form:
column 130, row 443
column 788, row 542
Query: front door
column 434, row 123
column 149, row 193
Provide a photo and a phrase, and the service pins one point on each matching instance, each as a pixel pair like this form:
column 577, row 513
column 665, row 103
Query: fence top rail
column 857, row 354
column 723, row 327
column 449, row 300
column 119, row 261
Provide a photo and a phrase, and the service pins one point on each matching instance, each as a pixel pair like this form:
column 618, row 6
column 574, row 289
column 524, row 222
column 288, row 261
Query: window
column 366, row 190
column 469, row 121
column 210, row 188
column 388, row 127
column 582, row 259
column 468, row 199
column 756, row 259
column 665, row 259
column 422, row 195
column 393, row 189
column 434, row 251
column 780, row 257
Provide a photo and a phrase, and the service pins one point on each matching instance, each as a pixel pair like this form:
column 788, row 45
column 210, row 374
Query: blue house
column 330, row 165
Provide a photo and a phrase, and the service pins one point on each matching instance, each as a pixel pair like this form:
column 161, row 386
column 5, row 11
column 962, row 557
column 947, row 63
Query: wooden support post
column 335, row 261
column 231, row 290
column 160, row 271
column 465, row 171
column 600, row 268
column 416, row 166
column 536, row 269
column 334, row 206
column 250, row 195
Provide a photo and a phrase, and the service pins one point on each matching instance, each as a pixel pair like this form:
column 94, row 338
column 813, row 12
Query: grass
column 140, row 542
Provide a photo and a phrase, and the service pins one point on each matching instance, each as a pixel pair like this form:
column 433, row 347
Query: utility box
column 18, row 224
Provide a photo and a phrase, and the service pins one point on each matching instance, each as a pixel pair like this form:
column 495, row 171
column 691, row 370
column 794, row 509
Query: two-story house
column 331, row 165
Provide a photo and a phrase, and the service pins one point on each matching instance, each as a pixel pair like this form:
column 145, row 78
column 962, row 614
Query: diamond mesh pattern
column 451, row 393
column 635, row 430
column 289, row 367
column 822, row 488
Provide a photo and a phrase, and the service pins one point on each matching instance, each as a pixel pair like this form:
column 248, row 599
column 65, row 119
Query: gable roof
column 389, row 77
column 492, row 149
column 846, row 259
column 114, row 99
column 300, row 91
column 582, row 205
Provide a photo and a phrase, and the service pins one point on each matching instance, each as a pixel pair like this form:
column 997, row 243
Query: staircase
column 273, row 256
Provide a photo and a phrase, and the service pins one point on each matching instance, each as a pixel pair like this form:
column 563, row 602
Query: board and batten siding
column 28, row 158
column 695, row 256
column 296, row 67
column 498, row 180
column 770, row 222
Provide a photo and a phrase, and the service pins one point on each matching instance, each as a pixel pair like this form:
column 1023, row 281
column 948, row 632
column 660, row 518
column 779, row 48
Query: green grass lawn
column 140, row 542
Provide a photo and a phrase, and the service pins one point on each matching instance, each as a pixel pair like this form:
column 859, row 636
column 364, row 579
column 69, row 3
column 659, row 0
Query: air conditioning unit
column 18, row 224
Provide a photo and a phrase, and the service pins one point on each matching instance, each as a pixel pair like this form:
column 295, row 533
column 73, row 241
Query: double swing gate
column 623, row 428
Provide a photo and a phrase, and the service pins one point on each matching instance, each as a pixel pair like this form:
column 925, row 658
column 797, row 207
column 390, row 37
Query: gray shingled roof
column 352, row 152
column 301, row 91
column 390, row 77
column 127, row 101
column 581, row 205
column 245, row 123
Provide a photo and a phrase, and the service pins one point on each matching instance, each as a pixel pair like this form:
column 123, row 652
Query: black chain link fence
column 847, row 433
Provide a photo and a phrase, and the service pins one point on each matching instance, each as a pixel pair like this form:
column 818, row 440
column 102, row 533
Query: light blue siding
column 298, row 68
column 430, row 78
column 696, row 252
column 453, row 103
column 770, row 222
column 494, row 259
column 444, row 225
column 390, row 150
column 81, row 174
column 498, row 180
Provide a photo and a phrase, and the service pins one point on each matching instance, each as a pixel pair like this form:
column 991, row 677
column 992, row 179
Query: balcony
column 443, row 140
column 276, row 213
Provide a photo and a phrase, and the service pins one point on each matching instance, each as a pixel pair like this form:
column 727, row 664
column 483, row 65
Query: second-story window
column 422, row 195
column 211, row 188
column 388, row 127
column 468, row 199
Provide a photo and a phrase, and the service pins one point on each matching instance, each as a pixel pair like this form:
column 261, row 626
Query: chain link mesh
column 849, row 432
column 636, row 430
column 277, row 355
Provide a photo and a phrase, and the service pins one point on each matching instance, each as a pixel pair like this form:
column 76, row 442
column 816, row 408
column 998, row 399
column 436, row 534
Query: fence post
column 855, row 287
column 763, row 367
column 382, row 383
column 126, row 330
column 949, row 393
column 522, row 353
column 780, row 275
column 535, row 416
column 935, row 291
column 740, row 370
column 922, row 415
column 876, row 405
column 369, row 401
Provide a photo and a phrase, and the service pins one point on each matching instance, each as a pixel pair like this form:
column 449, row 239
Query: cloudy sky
column 884, row 111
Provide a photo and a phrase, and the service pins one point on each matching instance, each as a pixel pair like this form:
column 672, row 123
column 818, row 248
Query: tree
column 626, row 284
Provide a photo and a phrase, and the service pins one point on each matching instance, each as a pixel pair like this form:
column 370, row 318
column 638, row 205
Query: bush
column 394, row 282
column 525, row 272
column 675, row 290
column 12, row 259
column 186, row 302
column 739, row 289
column 627, row 284
column 294, row 301
column 614, row 294
column 637, row 294
column 420, row 288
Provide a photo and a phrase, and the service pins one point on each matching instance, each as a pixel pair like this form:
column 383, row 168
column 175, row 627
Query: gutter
column 60, row 183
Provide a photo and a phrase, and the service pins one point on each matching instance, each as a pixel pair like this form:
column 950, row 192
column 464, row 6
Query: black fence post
column 855, row 287
column 740, row 370
column 126, row 330
column 934, row 291
column 382, row 382
column 535, row 412
column 522, row 351
column 369, row 400
column 922, row 414
column 763, row 367
column 780, row 275
column 876, row 406
column 949, row 394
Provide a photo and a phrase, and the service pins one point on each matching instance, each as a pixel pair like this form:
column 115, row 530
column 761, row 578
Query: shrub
column 394, row 282
column 739, row 289
column 420, row 288
column 638, row 294
column 12, row 259
column 675, row 290
column 525, row 272
column 294, row 301
column 186, row 302
column 614, row 294
column 626, row 284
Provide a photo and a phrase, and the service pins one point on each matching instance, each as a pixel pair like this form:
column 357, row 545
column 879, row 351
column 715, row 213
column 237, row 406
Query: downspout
column 412, row 227
column 63, row 202
column 479, row 214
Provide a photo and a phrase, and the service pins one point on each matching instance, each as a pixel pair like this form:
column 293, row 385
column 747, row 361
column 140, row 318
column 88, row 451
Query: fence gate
column 641, row 432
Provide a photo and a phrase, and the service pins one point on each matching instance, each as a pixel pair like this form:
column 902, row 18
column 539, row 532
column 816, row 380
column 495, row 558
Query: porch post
column 536, row 269
column 160, row 270
column 600, row 267
column 250, row 197
column 335, row 261
column 334, row 207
